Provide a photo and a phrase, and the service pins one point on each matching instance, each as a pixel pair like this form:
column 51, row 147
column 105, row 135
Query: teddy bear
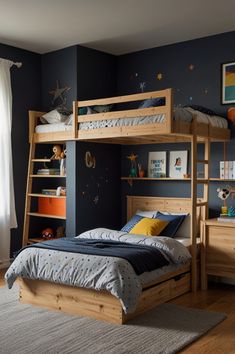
column 58, row 153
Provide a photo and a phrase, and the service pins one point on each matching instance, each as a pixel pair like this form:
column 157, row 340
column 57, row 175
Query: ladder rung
column 203, row 161
column 202, row 181
column 41, row 160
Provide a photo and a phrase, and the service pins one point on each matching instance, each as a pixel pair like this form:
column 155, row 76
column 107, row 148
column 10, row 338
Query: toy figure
column 48, row 233
column 58, row 153
column 133, row 171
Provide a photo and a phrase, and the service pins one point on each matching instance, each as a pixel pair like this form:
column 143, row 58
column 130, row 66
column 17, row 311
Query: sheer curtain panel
column 7, row 200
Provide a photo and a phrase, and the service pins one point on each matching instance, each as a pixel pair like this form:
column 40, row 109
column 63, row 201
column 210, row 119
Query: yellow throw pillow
column 149, row 227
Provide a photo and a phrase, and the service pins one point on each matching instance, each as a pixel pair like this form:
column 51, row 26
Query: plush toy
column 61, row 191
column 58, row 153
column 48, row 233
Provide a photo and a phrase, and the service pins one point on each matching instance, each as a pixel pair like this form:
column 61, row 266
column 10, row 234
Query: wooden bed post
column 75, row 119
column 193, row 230
column 169, row 107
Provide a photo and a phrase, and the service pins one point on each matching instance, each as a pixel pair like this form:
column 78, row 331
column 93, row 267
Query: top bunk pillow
column 202, row 109
column 152, row 102
column 174, row 222
column 54, row 117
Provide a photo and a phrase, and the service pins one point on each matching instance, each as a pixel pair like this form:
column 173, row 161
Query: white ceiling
column 113, row 26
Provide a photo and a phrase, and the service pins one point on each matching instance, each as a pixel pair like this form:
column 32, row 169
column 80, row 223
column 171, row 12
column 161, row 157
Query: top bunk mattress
column 180, row 114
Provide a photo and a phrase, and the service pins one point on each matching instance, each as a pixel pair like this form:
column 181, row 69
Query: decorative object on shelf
column 47, row 233
column 157, row 164
column 223, row 194
column 90, row 160
column 231, row 211
column 178, row 164
column 60, row 232
column 141, row 171
column 61, row 191
column 58, row 153
column 59, row 99
column 133, row 170
column 228, row 83
column 231, row 114
column 49, row 191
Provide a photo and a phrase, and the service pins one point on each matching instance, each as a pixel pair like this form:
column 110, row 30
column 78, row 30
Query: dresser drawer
column 220, row 251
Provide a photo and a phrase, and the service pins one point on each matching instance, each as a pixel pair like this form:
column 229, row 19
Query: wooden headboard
column 177, row 205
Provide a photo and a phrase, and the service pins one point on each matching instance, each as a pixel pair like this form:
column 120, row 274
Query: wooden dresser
column 218, row 250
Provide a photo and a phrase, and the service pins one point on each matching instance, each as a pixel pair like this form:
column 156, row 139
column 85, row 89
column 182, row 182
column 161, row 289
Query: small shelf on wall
column 130, row 180
column 46, row 195
column 47, row 176
column 47, row 216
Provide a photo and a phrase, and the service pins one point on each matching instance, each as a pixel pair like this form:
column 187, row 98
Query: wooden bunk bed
column 102, row 305
column 169, row 130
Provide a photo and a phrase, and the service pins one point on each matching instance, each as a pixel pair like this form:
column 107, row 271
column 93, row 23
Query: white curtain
column 7, row 200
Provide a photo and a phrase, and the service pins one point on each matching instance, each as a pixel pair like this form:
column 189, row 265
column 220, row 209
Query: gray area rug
column 25, row 329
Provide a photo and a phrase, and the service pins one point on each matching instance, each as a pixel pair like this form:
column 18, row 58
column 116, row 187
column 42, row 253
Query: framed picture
column 157, row 164
column 178, row 164
column 228, row 83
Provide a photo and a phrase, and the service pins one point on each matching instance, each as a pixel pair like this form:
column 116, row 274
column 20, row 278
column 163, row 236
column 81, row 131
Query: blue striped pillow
column 131, row 223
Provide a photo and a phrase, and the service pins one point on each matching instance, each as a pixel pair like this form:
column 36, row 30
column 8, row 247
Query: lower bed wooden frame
column 102, row 305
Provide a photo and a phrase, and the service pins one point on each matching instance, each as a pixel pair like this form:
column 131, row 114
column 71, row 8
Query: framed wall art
column 157, row 164
column 228, row 83
column 178, row 164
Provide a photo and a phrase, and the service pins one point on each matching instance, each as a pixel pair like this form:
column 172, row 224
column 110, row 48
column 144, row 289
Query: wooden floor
column 219, row 297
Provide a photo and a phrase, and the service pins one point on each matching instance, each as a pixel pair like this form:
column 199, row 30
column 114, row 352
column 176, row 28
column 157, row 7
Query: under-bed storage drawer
column 180, row 284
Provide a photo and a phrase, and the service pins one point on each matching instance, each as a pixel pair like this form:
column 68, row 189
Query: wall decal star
column 191, row 67
column 142, row 86
column 159, row 76
column 58, row 94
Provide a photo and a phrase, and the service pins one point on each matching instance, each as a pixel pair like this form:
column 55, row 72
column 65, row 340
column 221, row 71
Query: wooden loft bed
column 169, row 130
column 101, row 304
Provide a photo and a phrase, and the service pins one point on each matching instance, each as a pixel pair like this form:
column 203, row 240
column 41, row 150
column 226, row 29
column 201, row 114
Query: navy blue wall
column 197, row 84
column 26, row 86
column 61, row 66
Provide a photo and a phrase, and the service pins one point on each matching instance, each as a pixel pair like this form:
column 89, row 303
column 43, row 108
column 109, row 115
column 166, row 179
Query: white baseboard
column 6, row 263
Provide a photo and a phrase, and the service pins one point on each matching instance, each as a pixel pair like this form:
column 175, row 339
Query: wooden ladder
column 29, row 194
column 203, row 203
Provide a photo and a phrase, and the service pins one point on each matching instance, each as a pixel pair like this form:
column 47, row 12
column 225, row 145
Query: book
column 226, row 169
column 230, row 170
column 49, row 191
column 48, row 171
column 221, row 169
column 226, row 219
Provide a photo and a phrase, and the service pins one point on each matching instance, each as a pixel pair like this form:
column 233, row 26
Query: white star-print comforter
column 112, row 274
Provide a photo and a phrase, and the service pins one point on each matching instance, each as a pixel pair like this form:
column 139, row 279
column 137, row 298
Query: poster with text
column 157, row 164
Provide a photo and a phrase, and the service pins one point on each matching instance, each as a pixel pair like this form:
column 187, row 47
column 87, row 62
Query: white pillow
column 146, row 213
column 184, row 229
column 54, row 117
column 69, row 120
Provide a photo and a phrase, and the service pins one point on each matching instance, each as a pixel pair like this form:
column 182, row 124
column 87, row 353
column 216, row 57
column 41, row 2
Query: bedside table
column 218, row 250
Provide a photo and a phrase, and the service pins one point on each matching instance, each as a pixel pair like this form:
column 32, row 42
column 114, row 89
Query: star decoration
column 190, row 98
column 136, row 74
column 191, row 67
column 58, row 93
column 132, row 157
column 159, row 76
column 206, row 91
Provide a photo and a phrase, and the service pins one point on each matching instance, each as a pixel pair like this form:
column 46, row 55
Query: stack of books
column 49, row 191
column 227, row 169
column 226, row 218
column 48, row 171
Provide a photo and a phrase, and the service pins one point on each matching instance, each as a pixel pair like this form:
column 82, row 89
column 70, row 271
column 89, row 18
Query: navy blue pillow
column 152, row 102
column 174, row 223
column 131, row 223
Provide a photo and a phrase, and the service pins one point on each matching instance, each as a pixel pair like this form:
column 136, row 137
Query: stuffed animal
column 47, row 233
column 58, row 153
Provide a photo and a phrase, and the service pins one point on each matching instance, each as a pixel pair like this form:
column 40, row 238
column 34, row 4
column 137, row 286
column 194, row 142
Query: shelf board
column 32, row 240
column 175, row 179
column 41, row 160
column 47, row 216
column 46, row 195
column 48, row 176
